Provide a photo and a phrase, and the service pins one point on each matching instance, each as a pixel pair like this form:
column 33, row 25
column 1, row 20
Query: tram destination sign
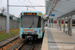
column 30, row 13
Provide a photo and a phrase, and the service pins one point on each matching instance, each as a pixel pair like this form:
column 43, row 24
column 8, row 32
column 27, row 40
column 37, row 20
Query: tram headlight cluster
column 34, row 33
column 24, row 33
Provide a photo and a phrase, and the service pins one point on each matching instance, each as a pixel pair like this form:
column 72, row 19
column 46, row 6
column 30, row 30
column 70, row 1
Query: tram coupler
column 29, row 37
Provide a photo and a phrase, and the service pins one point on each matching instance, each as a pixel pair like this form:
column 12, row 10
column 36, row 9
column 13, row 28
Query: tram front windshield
column 30, row 21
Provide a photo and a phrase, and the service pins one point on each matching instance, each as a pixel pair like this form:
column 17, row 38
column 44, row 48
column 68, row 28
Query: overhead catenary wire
column 24, row 6
column 34, row 3
column 25, row 3
column 31, row 4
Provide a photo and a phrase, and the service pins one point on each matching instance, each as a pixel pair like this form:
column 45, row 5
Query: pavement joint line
column 61, row 42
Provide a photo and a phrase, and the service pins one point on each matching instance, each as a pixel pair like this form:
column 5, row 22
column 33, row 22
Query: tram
column 31, row 25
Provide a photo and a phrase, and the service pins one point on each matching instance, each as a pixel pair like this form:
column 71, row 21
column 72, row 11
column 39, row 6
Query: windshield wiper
column 31, row 25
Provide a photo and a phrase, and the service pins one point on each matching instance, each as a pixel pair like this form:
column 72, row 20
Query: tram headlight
column 34, row 33
column 39, row 31
column 39, row 14
column 24, row 33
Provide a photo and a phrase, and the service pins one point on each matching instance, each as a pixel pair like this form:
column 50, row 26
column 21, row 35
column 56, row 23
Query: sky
column 17, row 10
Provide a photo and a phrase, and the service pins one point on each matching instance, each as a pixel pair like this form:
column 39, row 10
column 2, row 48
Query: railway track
column 20, row 44
column 28, row 46
column 13, row 44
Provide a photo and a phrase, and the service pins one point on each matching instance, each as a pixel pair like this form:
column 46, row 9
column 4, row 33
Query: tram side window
column 39, row 22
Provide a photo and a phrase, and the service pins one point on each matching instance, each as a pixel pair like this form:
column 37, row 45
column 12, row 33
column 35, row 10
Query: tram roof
column 32, row 11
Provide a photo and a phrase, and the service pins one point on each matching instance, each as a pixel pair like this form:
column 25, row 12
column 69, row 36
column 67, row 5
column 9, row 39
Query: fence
column 13, row 24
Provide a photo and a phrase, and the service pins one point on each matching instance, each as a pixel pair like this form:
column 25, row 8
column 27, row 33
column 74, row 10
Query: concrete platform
column 54, row 39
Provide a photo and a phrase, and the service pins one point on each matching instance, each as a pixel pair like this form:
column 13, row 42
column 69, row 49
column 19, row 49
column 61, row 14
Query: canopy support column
column 60, row 24
column 64, row 25
column 70, row 26
column 50, row 23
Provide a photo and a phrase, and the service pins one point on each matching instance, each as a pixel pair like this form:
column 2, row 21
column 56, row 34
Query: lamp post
column 7, row 17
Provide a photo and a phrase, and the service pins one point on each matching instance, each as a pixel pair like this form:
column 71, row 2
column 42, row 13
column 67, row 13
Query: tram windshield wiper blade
column 31, row 25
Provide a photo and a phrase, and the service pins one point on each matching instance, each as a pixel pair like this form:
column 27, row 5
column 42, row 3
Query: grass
column 4, row 35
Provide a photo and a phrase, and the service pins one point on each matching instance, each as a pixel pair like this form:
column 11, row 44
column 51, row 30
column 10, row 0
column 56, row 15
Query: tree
column 2, row 10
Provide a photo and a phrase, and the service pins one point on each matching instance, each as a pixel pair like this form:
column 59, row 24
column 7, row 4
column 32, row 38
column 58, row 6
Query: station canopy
column 61, row 8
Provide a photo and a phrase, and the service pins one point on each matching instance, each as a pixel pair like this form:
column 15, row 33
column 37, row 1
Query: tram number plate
column 29, row 36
